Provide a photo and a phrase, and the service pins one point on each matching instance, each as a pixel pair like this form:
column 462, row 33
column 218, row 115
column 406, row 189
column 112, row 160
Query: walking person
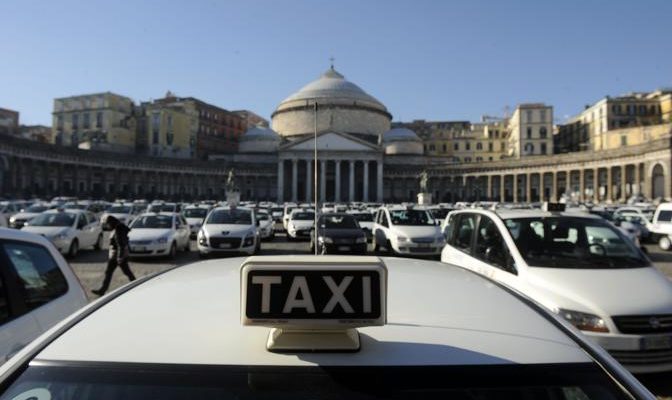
column 117, row 255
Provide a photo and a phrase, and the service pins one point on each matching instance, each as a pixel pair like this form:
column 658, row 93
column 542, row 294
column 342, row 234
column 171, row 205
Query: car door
column 459, row 247
column 381, row 228
column 491, row 255
column 83, row 237
column 92, row 228
column 181, row 232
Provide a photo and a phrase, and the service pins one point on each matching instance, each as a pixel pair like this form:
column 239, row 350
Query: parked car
column 158, row 235
column 578, row 266
column 300, row 223
column 39, row 289
column 365, row 221
column 265, row 224
column 661, row 226
column 339, row 233
column 68, row 230
column 17, row 220
column 195, row 215
column 229, row 230
column 123, row 212
column 407, row 230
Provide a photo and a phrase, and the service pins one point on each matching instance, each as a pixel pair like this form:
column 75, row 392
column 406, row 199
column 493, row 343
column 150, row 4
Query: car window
column 40, row 278
column 665, row 216
column 464, row 231
column 383, row 219
column 448, row 229
column 490, row 245
column 81, row 221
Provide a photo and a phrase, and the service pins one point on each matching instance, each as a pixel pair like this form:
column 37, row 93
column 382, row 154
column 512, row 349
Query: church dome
column 259, row 139
column 402, row 141
column 342, row 107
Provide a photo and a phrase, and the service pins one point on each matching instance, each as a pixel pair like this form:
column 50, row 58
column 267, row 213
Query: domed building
column 402, row 141
column 259, row 139
column 343, row 107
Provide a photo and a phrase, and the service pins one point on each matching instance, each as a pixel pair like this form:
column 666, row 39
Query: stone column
column 323, row 181
column 554, row 187
column 309, row 180
column 337, row 177
column 515, row 188
column 379, row 181
column 624, row 183
column 528, row 187
column 646, row 183
column 488, row 189
column 582, row 182
column 610, row 185
column 568, row 183
column 366, row 181
column 281, row 181
column 295, row 180
column 502, row 188
column 637, row 187
column 351, row 193
column 542, row 187
column 596, row 185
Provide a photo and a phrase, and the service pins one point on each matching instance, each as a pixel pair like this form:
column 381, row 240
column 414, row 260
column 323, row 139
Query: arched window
column 543, row 132
column 479, row 146
column 529, row 148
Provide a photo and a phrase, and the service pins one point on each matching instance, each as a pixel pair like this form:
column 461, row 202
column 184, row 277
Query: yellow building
column 530, row 130
column 171, row 131
column 94, row 121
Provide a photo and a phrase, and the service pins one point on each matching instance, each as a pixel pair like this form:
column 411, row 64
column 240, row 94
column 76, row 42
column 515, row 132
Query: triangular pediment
column 331, row 141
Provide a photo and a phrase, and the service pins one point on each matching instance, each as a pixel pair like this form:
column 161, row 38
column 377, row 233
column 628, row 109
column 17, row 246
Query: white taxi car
column 158, row 235
column 229, row 230
column 195, row 215
column 289, row 207
column 579, row 266
column 300, row 223
column 17, row 220
column 122, row 212
column 68, row 230
column 407, row 230
column 308, row 328
column 266, row 230
column 38, row 289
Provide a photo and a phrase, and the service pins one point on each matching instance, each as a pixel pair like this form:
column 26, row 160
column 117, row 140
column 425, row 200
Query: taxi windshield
column 36, row 209
column 303, row 216
column 363, row 217
column 53, row 219
column 411, row 217
column 153, row 222
column 195, row 213
column 573, row 242
column 103, row 381
column 338, row 222
column 119, row 210
column 234, row 217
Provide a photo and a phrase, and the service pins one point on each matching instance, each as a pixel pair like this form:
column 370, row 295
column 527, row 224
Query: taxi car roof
column 506, row 214
column 191, row 315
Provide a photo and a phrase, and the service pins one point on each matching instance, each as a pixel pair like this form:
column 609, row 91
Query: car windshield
column 153, row 222
column 168, row 208
column 276, row 209
column 573, row 242
column 119, row 210
column 74, row 206
column 53, row 219
column 440, row 213
column 235, row 217
column 154, row 208
column 103, row 381
column 411, row 217
column 36, row 209
column 195, row 213
column 338, row 222
column 303, row 216
column 262, row 216
column 363, row 217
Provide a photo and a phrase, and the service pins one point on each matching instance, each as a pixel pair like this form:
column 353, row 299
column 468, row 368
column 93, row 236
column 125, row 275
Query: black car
column 339, row 233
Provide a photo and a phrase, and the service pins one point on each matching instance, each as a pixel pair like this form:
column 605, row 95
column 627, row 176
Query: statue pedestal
column 425, row 199
column 232, row 197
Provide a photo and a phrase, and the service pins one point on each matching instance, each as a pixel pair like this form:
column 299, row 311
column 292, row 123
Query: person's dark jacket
column 119, row 242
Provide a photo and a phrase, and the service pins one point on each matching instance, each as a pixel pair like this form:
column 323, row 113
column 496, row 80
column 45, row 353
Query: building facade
column 9, row 121
column 530, row 130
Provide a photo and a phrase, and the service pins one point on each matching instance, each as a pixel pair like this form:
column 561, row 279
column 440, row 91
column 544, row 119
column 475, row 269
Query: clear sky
column 435, row 60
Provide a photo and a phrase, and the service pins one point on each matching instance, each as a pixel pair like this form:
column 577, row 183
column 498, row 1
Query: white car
column 307, row 327
column 289, row 207
column 661, row 226
column 300, row 223
column 122, row 212
column 68, row 230
column 265, row 225
column 195, row 215
column 42, row 289
column 17, row 220
column 7, row 210
column 277, row 213
column 579, row 266
column 407, row 230
column 158, row 235
column 229, row 230
column 638, row 216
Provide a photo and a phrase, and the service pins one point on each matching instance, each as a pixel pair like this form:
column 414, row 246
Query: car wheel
column 664, row 243
column 187, row 247
column 74, row 248
column 173, row 251
column 99, row 242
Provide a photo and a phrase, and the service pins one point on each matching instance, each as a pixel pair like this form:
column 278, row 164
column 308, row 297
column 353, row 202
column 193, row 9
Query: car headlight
column 12, row 219
column 162, row 240
column 402, row 239
column 361, row 239
column 202, row 239
column 61, row 236
column 249, row 240
column 584, row 321
column 440, row 239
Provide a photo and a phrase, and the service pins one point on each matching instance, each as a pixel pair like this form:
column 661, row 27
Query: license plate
column 657, row 342
column 424, row 245
column 343, row 248
column 225, row 245
column 138, row 249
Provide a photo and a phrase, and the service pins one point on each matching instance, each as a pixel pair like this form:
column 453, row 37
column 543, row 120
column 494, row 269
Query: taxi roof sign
column 553, row 207
column 313, row 302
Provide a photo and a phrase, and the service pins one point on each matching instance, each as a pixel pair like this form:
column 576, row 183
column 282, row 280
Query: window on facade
column 59, row 122
column 490, row 146
column 87, row 121
column 543, row 148
column 467, row 159
column 529, row 115
column 456, row 146
column 99, row 119
column 444, row 148
column 529, row 148
column 479, row 146
column 496, row 134
column 489, row 158
column 542, row 115
column 624, row 140
column 479, row 159
column 75, row 121
column 502, row 146
column 169, row 121
column 543, row 132
column 467, row 146
column 529, row 132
